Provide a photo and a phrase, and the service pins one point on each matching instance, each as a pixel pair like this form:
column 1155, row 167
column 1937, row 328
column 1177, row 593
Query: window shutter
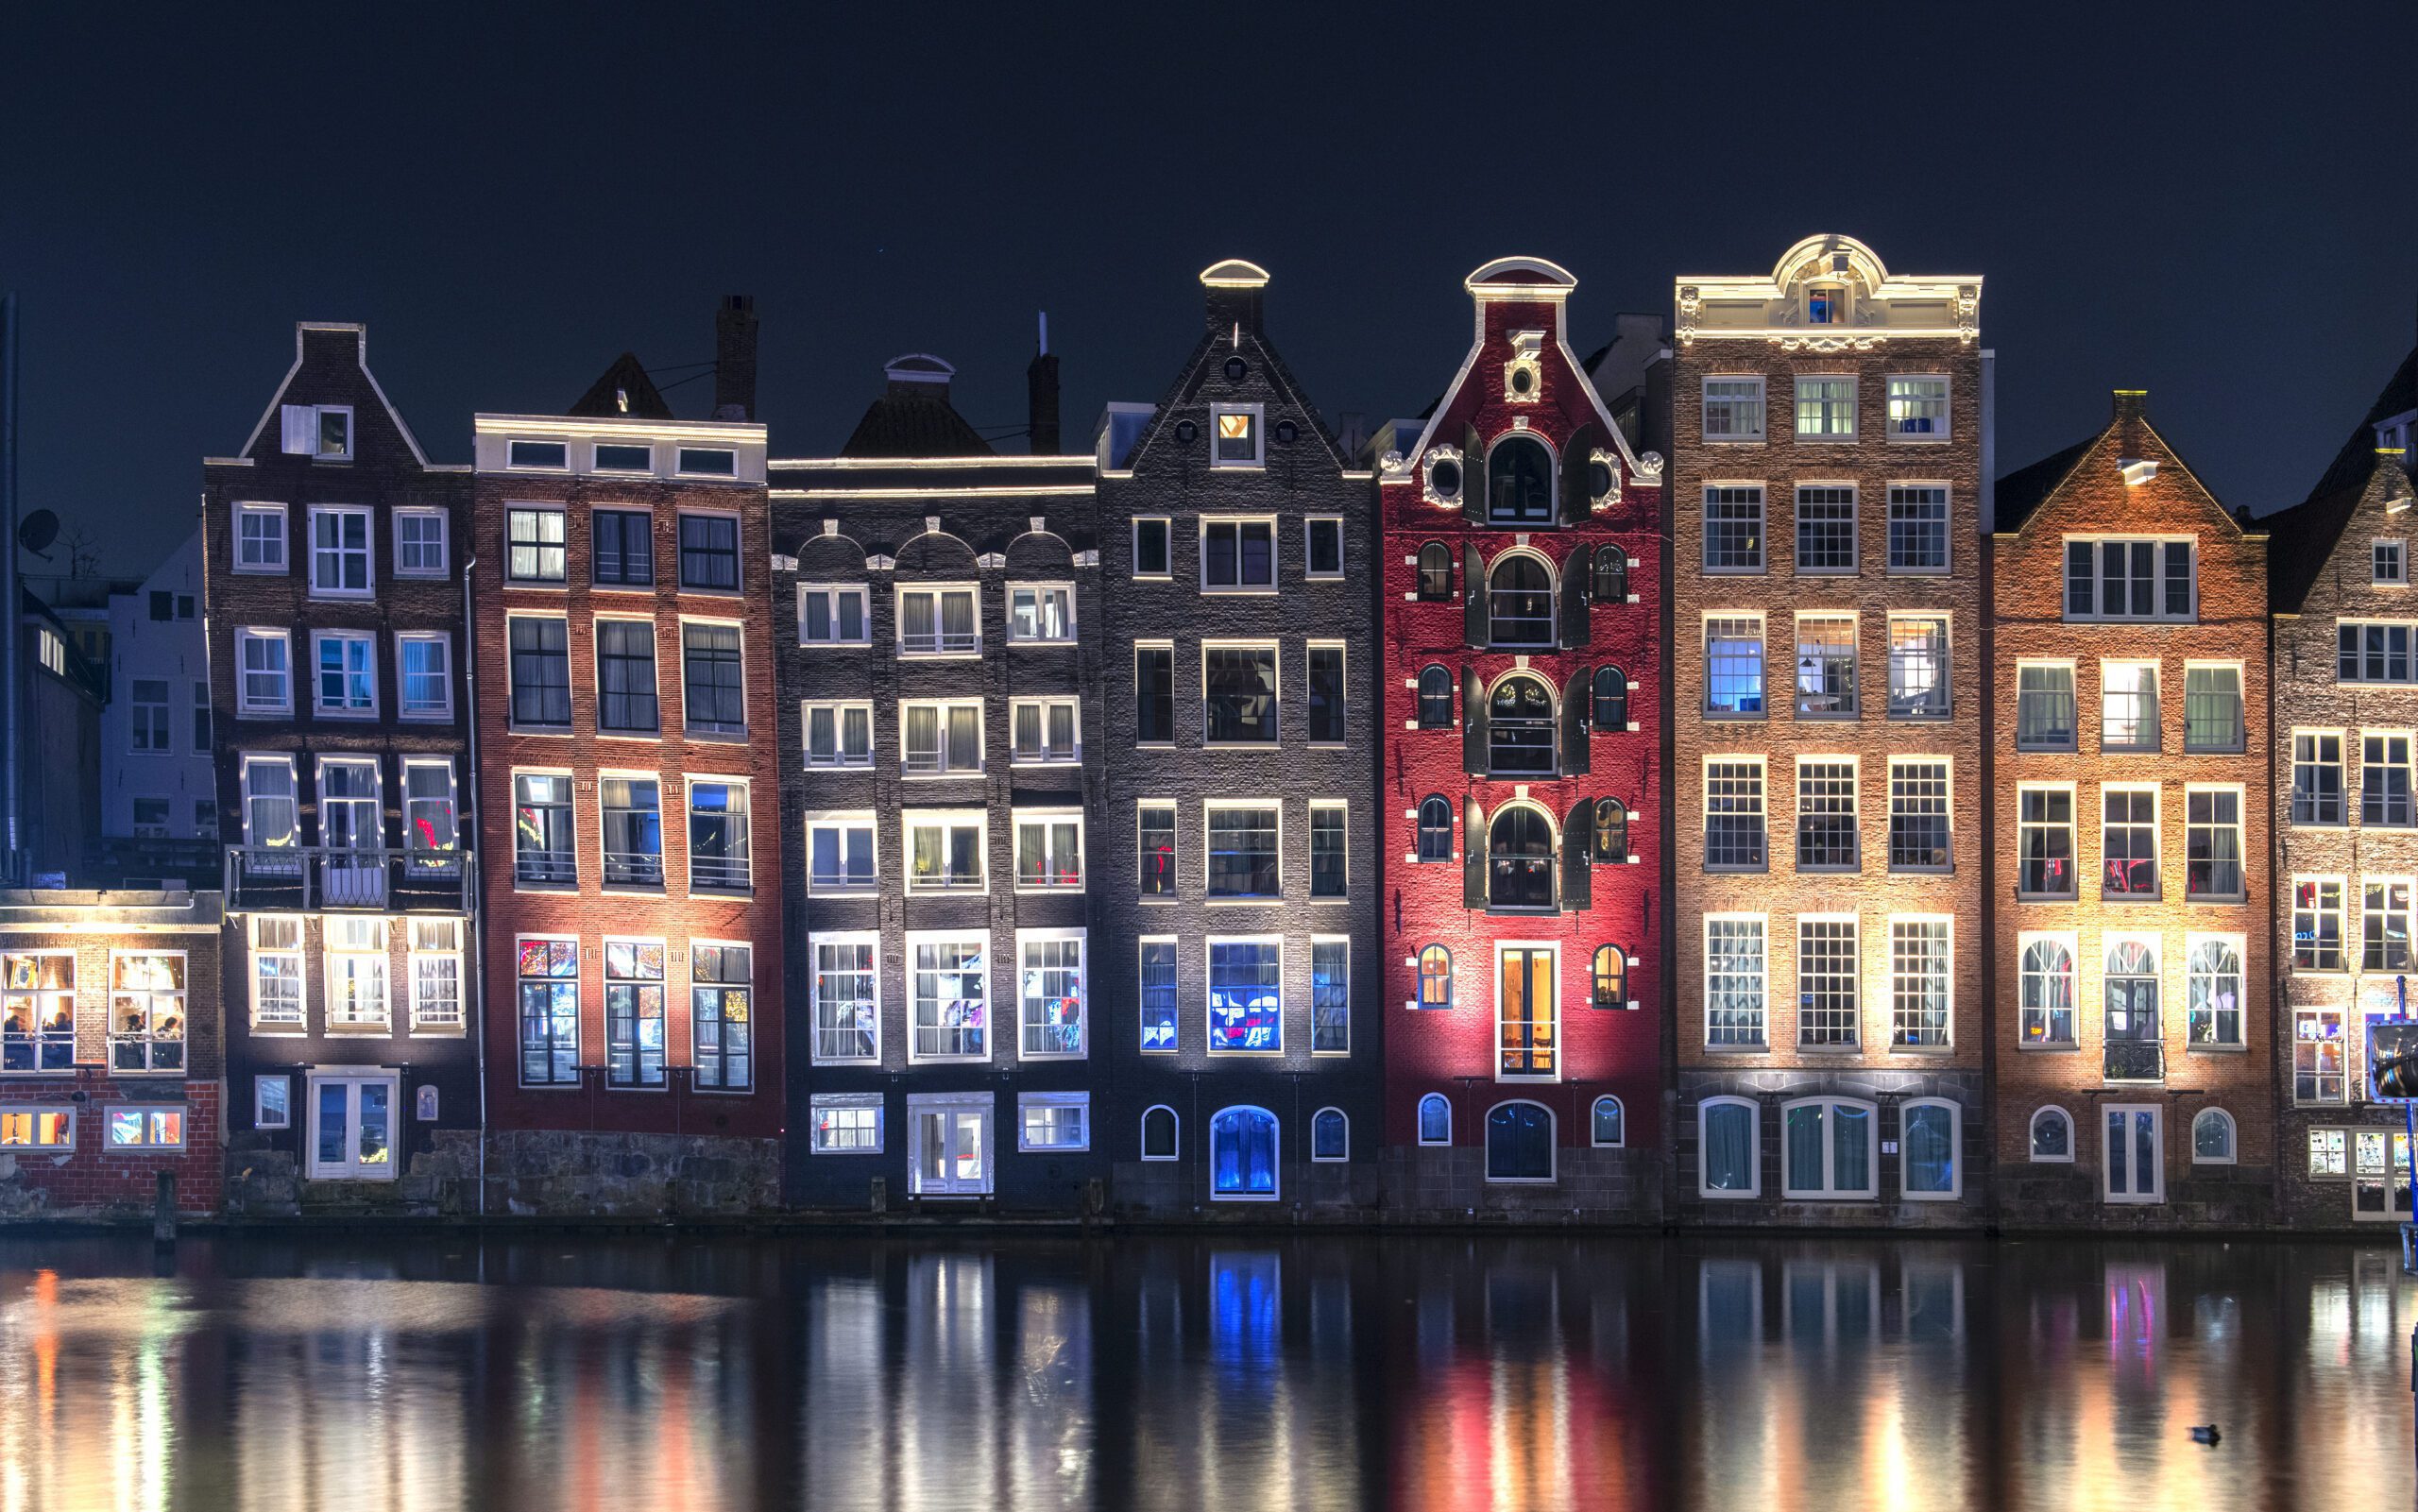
column 1472, row 722
column 301, row 429
column 1577, row 626
column 1473, row 626
column 1577, row 853
column 1472, row 476
column 1577, row 461
column 1473, row 854
column 1574, row 721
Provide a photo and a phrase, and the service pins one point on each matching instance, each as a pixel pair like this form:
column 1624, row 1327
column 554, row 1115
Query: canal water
column 1239, row 1373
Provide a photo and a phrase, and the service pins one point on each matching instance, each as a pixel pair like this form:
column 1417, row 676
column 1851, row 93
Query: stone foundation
column 1448, row 1185
column 265, row 1182
column 1318, row 1192
column 547, row 1173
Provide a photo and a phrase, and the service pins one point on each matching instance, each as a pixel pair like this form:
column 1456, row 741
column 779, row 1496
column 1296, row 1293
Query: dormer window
column 320, row 431
column 1826, row 305
column 1236, row 429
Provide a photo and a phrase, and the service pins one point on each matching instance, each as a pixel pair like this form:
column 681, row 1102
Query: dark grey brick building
column 940, row 748
column 1235, row 868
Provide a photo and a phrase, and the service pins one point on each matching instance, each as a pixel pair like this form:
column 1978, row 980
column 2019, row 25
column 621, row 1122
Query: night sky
column 2219, row 212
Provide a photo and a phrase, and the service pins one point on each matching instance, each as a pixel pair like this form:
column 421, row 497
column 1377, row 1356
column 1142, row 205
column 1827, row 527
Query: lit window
column 1435, row 977
column 1917, row 667
column 718, row 823
column 260, row 537
column 2212, row 989
column 534, row 551
column 845, row 1122
column 832, row 614
column 2317, row 924
column 2048, row 991
column 2320, row 1058
column 1243, row 1158
column 2135, row 1049
column 1917, row 407
column 634, row 1013
column 838, row 734
column 1829, row 1149
column 2128, row 841
column 1049, row 994
column 356, row 963
column 547, row 978
column 944, row 852
column 1155, row 850
column 1824, row 409
column 1605, row 1130
column 2384, row 925
column 38, row 1013
column 631, row 809
column 1610, row 977
column 1237, row 427
column 323, row 432
column 1826, row 656
column 1733, row 653
column 1041, row 612
column 2212, row 843
column 1330, row 996
column 949, row 992
column 1158, row 997
column 435, row 960
column 23, row 1125
column 146, row 1024
column 721, row 1016
column 846, row 998
column 1053, row 1120
column 2128, row 706
column 129, row 1126
column 1922, row 962
column 1246, row 995
column 1733, row 980
column 544, row 850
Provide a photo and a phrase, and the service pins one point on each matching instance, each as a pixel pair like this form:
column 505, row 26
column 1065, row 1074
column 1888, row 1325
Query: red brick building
column 2130, row 803
column 1518, row 537
column 621, row 598
column 1829, row 422
column 112, row 1063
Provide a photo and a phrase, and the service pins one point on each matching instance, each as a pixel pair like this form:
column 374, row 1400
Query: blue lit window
column 1608, row 1134
column 1242, row 1153
column 1158, row 995
column 1245, row 998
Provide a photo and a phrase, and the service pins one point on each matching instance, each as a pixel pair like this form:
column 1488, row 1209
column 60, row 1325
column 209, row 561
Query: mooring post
column 163, row 1210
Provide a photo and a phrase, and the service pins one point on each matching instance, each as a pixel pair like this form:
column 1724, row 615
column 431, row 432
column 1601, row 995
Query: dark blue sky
column 2217, row 209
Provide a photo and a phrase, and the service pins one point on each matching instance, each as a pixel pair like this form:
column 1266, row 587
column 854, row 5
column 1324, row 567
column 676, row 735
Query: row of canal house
column 1686, row 783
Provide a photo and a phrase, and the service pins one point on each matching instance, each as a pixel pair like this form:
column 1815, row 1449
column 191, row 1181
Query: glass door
column 952, row 1151
column 2375, row 1196
column 1526, row 1003
column 352, row 1128
column 2134, row 1155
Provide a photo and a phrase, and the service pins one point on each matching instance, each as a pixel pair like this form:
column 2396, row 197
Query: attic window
column 1824, row 306
column 624, row 458
column 710, row 462
column 1236, row 367
column 321, row 431
column 1237, row 435
column 1286, row 433
column 2391, row 559
column 553, row 454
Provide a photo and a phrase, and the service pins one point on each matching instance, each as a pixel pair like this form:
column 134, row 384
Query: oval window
column 1236, row 367
column 1286, row 433
column 1599, row 479
column 1444, row 476
column 1523, row 381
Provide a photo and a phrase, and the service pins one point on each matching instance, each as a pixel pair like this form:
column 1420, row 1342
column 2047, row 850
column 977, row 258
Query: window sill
column 264, row 713
column 1804, row 870
column 1711, row 870
column 1756, row 1048
column 1826, row 438
column 1732, row 440
column 1031, row 763
column 2131, row 897
column 741, row 891
column 2216, row 1049
column 2218, row 899
column 1921, row 871
column 426, row 716
column 1829, row 571
column 352, row 716
column 940, row 777
column 1922, row 1050
column 437, row 1032
column 1240, row 745
column 261, row 572
column 2067, row 749
column 622, row 588
column 547, row 584
column 813, row 891
column 604, row 733
column 361, row 1031
column 562, row 730
column 1922, row 717
column 1826, row 716
column 1266, row 591
column 271, row 1031
column 715, row 736
column 1710, row 570
column 1058, row 889
column 1841, row 1050
column 2052, row 1047
column 1716, row 716
column 834, row 645
column 975, row 655
column 1040, row 640
column 521, row 884
column 1918, row 571
column 2044, row 897
column 962, row 890
column 2213, row 750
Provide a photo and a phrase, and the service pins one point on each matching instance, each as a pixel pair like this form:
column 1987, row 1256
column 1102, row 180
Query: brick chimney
column 1041, row 394
column 1235, row 287
column 2131, row 403
column 735, row 358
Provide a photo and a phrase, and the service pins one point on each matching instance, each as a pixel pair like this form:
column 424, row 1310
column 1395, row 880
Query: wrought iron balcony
column 2135, row 1061
column 334, row 879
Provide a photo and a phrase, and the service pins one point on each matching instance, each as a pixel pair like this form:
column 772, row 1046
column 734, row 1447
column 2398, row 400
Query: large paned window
column 1050, row 850
column 1733, row 529
column 534, row 546
column 713, row 695
column 1826, row 814
column 938, row 623
column 830, row 614
column 549, row 982
column 839, row 854
column 625, row 699
column 945, row 852
column 949, row 988
column 264, row 672
column 2044, row 706
column 2128, row 841
column 1921, row 968
column 38, row 1003
column 1519, row 483
column 1246, row 995
column 1243, row 851
column 356, row 967
column 2128, row 706
column 623, row 555
column 1828, row 1015
column 543, row 848
column 348, row 674
column 634, row 1015
column 436, row 962
column 1243, row 1156
column 340, row 565
column 1829, row 1149
column 1733, row 408
column 1825, row 529
column 1051, row 995
column 2373, row 652
column 2321, row 1059
column 721, row 1016
column 1826, row 656
column 1735, row 977
column 2384, row 779
column 837, row 735
column 2134, row 1051
column 847, row 998
column 1527, row 1016
column 541, row 651
column 2317, row 777
column 1238, row 694
column 1733, row 659
column 709, row 553
column 718, row 852
column 2048, row 991
column 2212, row 708
column 2212, row 989
column 1326, row 694
column 1518, row 858
column 1154, row 845
column 1041, row 612
column 1730, row 1137
column 424, row 665
column 2130, row 580
column 1237, row 555
column 1153, row 694
column 1519, row 603
column 2317, row 924
column 1825, row 408
column 1917, row 407
column 941, row 739
column 147, row 1022
column 1917, row 667
column 632, row 811
column 1045, row 731
column 1917, row 529
column 1160, row 1004
column 2384, row 925
column 2212, row 843
column 1521, row 736
column 1733, row 814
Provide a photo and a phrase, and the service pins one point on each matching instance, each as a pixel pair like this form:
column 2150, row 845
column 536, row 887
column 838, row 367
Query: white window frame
column 1208, row 807
column 943, row 707
column 1891, row 499
column 940, row 651
column 301, row 421
column 444, row 541
column 2157, row 690
column 1854, row 982
column 1258, row 414
column 1761, row 564
column 1166, row 525
column 1561, row 1041
column 424, row 1024
column 1595, row 1102
column 2233, row 1138
column 982, row 934
column 369, row 551
column 367, row 639
column 1854, row 407
column 1208, row 998
column 1947, row 400
column 1732, row 619
column 2106, row 1156
column 1419, row 1119
column 1796, row 524
column 1049, row 818
column 150, row 1114
column 1043, row 706
column 1027, row 1100
column 1946, row 622
column 1142, row 1138
column 384, row 1018
column 2408, row 628
column 444, row 640
column 261, row 1118
column 1275, row 551
column 1310, row 524
column 921, row 1104
column 1956, row 1192
column 244, row 707
column 43, row 1110
column 832, row 592
column 1316, row 1159
column 839, row 710
column 688, row 783
column 2398, row 550
column 1733, row 438
column 1142, row 1024
column 851, row 939
column 2070, row 941
column 2158, row 839
column 1704, row 943
column 2240, row 828
column 283, row 514
column 912, row 820
column 512, row 455
column 847, row 1102
column 1754, row 1148
column 1037, row 589
column 1830, row 1191
column 1276, row 650
column 844, row 820
column 2031, row 1149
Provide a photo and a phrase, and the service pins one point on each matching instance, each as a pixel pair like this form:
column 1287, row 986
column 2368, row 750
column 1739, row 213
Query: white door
column 2375, row 1197
column 952, row 1150
column 352, row 1128
column 2133, row 1152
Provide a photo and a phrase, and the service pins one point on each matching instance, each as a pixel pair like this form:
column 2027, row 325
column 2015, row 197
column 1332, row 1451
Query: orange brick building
column 1829, row 419
column 2129, row 802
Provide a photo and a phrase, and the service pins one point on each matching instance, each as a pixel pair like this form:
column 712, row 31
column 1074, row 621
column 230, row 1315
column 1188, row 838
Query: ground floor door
column 2377, row 1196
column 951, row 1147
column 353, row 1120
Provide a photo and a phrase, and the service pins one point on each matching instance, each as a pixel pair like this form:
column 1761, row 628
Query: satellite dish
column 38, row 530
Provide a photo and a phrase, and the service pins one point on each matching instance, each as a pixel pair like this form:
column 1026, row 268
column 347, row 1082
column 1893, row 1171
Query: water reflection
column 1178, row 1373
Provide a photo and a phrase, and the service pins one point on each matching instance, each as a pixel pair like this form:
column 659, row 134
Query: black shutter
column 1473, row 854
column 1472, row 476
column 1578, row 592
column 1472, row 722
column 1577, row 852
column 1473, row 626
column 1574, row 723
column 1578, row 465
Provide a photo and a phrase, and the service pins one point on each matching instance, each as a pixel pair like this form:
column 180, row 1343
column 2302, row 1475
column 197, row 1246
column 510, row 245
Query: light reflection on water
column 1163, row 1373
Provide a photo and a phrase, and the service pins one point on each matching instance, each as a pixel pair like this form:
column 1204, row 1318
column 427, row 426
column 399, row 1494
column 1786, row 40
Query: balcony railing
column 939, row 643
column 2135, row 1061
column 632, row 868
column 318, row 878
column 721, row 873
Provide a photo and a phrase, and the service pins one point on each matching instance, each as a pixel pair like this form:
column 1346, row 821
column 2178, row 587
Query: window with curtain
column 1435, row 977
column 2044, row 707
column 1929, row 1142
column 540, row 651
column 625, row 675
column 713, row 697
column 2212, row 708
column 632, row 812
column 941, row 739
column 1242, row 1153
column 622, row 554
column 1727, row 1138
column 1827, row 1148
column 709, row 553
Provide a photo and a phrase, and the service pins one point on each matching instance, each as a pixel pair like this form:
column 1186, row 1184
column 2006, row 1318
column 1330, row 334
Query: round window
column 1523, row 381
column 1444, row 476
column 1236, row 367
column 1185, row 431
column 1286, row 433
column 1599, row 479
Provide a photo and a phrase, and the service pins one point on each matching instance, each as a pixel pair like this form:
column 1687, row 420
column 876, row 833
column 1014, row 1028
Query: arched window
column 1158, row 1133
column 2048, row 1002
column 1435, row 1119
column 1520, row 736
column 1611, row 831
column 1434, row 699
column 1242, row 1155
column 1519, row 1141
column 2053, row 1135
column 1435, row 828
column 1519, row 601
column 1434, row 573
column 1612, row 701
column 1930, row 1170
column 1519, row 482
column 1731, row 1163
column 1609, row 1133
column 1330, row 1135
column 2212, row 1137
column 1611, row 978
column 2134, row 1050
column 1435, row 977
column 1518, row 858
column 1829, row 1148
column 1611, row 576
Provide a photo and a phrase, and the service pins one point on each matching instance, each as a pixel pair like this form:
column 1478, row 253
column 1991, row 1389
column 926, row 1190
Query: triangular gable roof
column 2025, row 492
column 1236, row 273
column 626, row 376
column 360, row 356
